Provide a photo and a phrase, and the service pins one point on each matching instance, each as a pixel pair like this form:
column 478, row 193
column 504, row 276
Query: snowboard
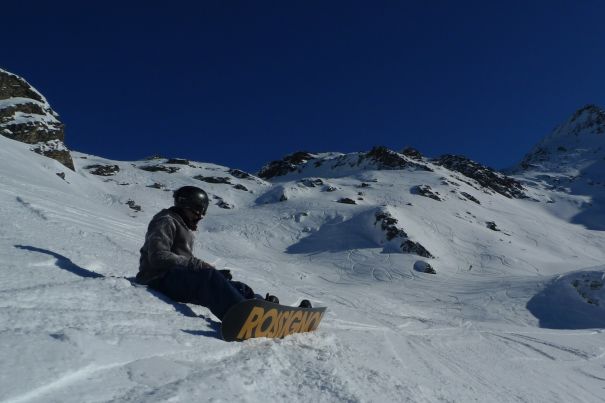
column 258, row 318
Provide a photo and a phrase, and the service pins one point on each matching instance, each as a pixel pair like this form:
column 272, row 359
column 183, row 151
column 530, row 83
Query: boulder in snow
column 424, row 267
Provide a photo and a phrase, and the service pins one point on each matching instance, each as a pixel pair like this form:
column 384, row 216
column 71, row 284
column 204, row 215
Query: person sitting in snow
column 167, row 263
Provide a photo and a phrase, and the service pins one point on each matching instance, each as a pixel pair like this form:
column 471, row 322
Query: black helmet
column 191, row 197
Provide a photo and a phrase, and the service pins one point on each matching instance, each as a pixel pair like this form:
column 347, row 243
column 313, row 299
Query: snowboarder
column 167, row 263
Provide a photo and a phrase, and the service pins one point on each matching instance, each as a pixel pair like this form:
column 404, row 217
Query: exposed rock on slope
column 379, row 158
column 289, row 163
column 486, row 177
column 26, row 116
column 389, row 159
column 388, row 224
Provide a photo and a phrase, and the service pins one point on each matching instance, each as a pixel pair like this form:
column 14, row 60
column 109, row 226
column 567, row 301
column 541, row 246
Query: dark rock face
column 389, row 159
column 389, row 225
column 426, row 191
column 27, row 117
column 56, row 150
column 486, row 177
column 223, row 204
column 236, row 173
column 133, row 205
column 103, row 170
column 159, row 168
column 178, row 161
column 312, row 182
column 240, row 187
column 587, row 286
column 492, row 225
column 412, row 153
column 346, row 200
column 414, row 247
column 13, row 86
column 289, row 163
column 470, row 197
column 424, row 267
column 214, row 179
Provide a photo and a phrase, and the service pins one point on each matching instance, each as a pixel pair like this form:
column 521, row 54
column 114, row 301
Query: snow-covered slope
column 514, row 313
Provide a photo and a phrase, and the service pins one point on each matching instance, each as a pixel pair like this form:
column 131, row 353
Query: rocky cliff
column 26, row 116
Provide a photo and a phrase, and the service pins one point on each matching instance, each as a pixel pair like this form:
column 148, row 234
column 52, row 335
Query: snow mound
column 572, row 301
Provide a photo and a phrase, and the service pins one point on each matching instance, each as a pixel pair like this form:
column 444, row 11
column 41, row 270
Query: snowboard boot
column 272, row 298
column 305, row 303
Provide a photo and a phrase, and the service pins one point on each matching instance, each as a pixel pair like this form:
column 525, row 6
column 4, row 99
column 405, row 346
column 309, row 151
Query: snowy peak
column 571, row 162
column 585, row 121
column 26, row 116
column 574, row 144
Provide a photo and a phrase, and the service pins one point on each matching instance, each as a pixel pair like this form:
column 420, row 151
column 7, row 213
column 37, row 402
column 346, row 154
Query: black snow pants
column 206, row 287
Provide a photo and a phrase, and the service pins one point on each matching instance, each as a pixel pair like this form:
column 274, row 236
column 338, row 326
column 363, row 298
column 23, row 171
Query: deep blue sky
column 241, row 83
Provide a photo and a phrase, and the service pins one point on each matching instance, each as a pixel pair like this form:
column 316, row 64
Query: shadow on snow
column 560, row 306
column 335, row 235
column 66, row 264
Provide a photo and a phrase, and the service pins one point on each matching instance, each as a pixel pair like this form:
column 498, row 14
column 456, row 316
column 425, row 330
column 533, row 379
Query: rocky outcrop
column 388, row 224
column 214, row 179
column 412, row 153
column 103, row 170
column 424, row 267
column 311, row 182
column 239, row 174
column 486, row 177
column 26, row 116
column 133, row 205
column 346, row 200
column 589, row 286
column 416, row 248
column 426, row 191
column 220, row 202
column 56, row 150
column 470, row 197
column 492, row 225
column 159, row 168
column 389, row 159
column 178, row 161
column 289, row 163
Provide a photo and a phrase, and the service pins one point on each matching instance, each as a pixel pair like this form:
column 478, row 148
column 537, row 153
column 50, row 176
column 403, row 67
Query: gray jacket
column 168, row 245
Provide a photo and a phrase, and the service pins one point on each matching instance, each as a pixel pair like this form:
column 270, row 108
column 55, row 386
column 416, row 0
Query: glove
column 226, row 274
